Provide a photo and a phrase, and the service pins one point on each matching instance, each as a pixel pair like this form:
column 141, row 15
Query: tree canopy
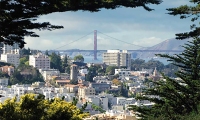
column 79, row 58
column 32, row 107
column 55, row 61
column 176, row 97
column 18, row 17
column 192, row 11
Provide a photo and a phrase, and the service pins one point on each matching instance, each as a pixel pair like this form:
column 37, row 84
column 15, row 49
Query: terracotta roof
column 67, row 81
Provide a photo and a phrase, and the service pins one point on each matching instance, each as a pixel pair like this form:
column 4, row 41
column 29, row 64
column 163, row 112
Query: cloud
column 121, row 28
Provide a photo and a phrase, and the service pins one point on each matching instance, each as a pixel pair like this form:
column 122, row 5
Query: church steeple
column 155, row 72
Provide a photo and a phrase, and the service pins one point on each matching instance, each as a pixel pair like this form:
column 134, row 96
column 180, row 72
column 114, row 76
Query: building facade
column 117, row 58
column 123, row 73
column 7, row 69
column 11, row 58
column 48, row 73
column 85, row 91
column 10, row 48
column 39, row 61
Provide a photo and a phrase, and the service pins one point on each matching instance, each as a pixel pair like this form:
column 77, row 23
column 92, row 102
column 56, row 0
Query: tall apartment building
column 39, row 61
column 10, row 48
column 117, row 58
column 11, row 58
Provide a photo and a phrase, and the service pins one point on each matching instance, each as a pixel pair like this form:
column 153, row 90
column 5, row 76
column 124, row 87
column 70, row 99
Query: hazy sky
column 132, row 25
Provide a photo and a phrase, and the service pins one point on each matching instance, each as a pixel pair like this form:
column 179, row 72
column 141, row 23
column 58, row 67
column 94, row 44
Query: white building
column 3, row 81
column 83, row 71
column 11, row 58
column 11, row 48
column 48, row 73
column 123, row 73
column 39, row 61
column 117, row 58
column 98, row 100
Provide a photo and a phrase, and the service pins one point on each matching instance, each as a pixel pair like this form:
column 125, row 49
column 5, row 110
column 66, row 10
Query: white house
column 123, row 73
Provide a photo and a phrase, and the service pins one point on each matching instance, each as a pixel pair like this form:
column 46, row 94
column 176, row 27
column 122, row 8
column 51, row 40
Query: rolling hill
column 170, row 44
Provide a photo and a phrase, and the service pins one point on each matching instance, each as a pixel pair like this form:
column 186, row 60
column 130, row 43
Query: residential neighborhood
column 108, row 88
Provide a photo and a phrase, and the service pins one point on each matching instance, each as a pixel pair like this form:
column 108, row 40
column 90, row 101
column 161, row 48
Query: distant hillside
column 170, row 44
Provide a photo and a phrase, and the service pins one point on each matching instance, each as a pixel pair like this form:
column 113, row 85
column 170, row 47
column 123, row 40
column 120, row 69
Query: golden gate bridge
column 95, row 50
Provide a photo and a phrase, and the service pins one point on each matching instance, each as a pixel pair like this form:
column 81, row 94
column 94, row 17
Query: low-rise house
column 3, row 81
column 48, row 73
column 113, row 115
column 123, row 73
column 100, row 87
column 7, row 69
column 85, row 91
column 72, row 88
column 38, row 84
column 62, row 82
column 97, row 78
column 100, row 101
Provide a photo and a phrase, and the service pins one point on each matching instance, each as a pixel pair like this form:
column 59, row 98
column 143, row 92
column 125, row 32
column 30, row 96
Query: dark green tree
column 170, row 69
column 136, row 64
column 152, row 64
column 92, row 72
column 18, row 17
column 111, row 70
column 55, row 61
column 79, row 58
column 64, row 64
column 192, row 11
column 176, row 97
column 23, row 60
column 31, row 75
column 4, row 74
column 25, row 52
column 46, row 53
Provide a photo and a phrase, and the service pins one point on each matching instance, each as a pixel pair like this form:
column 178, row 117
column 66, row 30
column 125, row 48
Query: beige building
column 7, row 69
column 117, row 58
column 39, row 61
column 84, row 91
column 48, row 73
column 72, row 88
column 112, row 116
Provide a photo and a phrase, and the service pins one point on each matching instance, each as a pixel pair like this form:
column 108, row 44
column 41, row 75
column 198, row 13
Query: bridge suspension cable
column 73, row 41
column 122, row 40
column 102, row 34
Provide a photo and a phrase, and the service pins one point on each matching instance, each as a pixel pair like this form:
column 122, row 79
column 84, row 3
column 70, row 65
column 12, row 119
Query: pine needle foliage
column 174, row 98
column 18, row 18
column 189, row 11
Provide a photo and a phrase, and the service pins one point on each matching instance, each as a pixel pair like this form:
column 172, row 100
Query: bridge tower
column 95, row 44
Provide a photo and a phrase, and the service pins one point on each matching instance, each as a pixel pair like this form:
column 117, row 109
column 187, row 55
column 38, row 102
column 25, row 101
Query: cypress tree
column 18, row 17
column 178, row 97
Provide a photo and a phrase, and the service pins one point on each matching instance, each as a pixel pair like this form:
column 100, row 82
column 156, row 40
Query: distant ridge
column 169, row 44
